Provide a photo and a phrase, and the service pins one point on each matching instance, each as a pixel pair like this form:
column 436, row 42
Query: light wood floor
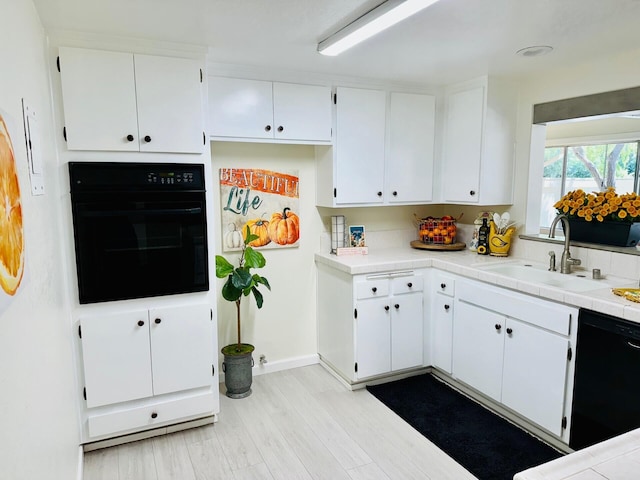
column 297, row 424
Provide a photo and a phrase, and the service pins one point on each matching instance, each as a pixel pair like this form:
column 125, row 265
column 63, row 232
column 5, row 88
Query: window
column 587, row 167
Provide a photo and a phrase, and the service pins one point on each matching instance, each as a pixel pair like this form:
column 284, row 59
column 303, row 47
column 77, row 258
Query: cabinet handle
column 267, row 128
column 379, row 194
column 130, row 138
column 140, row 323
column 498, row 326
column 386, row 307
column 443, row 286
column 509, row 331
column 374, row 289
column 472, row 192
column 409, row 284
column 147, row 138
column 280, row 128
column 395, row 194
column 158, row 320
column 447, row 307
column 397, row 306
column 154, row 415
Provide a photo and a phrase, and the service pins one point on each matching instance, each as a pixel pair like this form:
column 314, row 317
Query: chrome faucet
column 566, row 261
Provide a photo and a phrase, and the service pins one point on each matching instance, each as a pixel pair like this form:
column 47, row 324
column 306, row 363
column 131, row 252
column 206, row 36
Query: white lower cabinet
column 138, row 363
column 441, row 339
column 516, row 350
column 370, row 325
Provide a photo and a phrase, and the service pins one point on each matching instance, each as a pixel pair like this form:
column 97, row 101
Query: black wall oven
column 140, row 229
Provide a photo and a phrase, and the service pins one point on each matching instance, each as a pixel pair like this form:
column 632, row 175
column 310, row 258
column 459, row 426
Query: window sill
column 595, row 246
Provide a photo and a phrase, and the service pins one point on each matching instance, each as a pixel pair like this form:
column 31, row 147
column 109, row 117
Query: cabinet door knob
column 397, row 306
column 472, row 192
column 267, row 128
column 409, row 284
column 374, row 289
column 147, row 138
column 379, row 194
column 509, row 331
column 447, row 307
column 386, row 307
column 498, row 326
column 158, row 320
column 395, row 194
column 140, row 323
column 280, row 128
column 443, row 286
column 130, row 138
column 154, row 415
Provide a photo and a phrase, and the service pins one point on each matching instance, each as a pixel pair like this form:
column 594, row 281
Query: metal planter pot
column 237, row 368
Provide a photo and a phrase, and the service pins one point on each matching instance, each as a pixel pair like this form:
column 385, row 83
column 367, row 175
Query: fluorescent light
column 380, row 18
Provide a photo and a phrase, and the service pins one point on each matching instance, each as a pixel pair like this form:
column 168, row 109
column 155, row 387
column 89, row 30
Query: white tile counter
column 466, row 263
column 615, row 459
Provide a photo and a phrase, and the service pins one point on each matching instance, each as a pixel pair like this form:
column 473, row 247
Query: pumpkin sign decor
column 284, row 228
column 257, row 227
column 264, row 203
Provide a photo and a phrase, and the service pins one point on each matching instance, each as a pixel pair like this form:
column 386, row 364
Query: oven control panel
column 170, row 178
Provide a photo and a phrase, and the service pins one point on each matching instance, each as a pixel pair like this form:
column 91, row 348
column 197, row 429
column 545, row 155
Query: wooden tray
column 437, row 246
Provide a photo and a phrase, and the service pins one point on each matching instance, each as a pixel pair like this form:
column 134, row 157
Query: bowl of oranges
column 438, row 231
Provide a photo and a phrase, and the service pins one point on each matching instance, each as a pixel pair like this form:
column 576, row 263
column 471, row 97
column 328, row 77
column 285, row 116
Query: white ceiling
column 450, row 41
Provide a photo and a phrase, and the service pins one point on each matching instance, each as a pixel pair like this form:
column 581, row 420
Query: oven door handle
column 124, row 213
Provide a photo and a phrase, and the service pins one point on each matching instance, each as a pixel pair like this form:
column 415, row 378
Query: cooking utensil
column 496, row 220
column 504, row 221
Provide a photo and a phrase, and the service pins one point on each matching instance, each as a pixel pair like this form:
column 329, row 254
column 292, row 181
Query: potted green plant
column 238, row 360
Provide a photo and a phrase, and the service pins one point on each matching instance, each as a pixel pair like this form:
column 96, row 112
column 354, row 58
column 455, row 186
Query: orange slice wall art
column 11, row 231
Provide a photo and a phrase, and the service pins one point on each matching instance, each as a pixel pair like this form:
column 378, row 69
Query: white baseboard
column 279, row 365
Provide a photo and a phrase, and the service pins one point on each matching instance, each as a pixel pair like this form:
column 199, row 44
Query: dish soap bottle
column 483, row 238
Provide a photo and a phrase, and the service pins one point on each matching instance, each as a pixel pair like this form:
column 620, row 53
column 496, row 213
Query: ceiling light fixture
column 374, row 21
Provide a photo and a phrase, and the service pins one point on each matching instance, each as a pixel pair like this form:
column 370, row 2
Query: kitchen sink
column 538, row 273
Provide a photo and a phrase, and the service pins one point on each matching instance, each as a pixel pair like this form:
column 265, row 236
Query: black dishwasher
column 606, row 399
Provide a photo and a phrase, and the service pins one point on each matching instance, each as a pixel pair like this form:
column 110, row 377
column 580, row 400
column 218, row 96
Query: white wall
column 38, row 404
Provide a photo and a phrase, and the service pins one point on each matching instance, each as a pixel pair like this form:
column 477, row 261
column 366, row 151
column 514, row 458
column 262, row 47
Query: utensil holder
column 499, row 245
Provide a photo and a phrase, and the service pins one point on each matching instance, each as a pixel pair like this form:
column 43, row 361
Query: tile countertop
column 465, row 263
column 615, row 459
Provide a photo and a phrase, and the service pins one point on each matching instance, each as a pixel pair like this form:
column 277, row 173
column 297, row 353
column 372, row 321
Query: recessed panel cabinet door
column 99, row 98
column 181, row 347
column 169, row 104
column 360, row 140
column 116, row 357
column 442, row 331
column 534, row 377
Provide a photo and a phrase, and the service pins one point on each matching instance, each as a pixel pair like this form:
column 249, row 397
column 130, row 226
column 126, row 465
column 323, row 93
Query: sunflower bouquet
column 600, row 206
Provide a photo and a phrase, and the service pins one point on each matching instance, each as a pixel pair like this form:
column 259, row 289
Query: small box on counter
column 352, row 251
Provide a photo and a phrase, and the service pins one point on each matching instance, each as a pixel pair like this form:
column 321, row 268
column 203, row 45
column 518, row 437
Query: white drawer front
column 444, row 284
column 142, row 417
column 408, row 284
column 372, row 288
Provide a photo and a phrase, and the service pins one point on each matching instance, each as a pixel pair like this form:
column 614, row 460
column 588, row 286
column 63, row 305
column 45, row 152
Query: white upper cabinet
column 383, row 152
column 129, row 102
column 359, row 148
column 479, row 142
column 409, row 162
column 256, row 110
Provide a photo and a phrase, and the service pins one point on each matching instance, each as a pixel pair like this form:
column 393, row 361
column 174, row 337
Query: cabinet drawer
column 140, row 417
column 408, row 284
column 372, row 288
column 444, row 284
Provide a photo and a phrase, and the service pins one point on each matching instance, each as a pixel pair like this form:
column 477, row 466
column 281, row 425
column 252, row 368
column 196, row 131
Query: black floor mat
column 487, row 445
